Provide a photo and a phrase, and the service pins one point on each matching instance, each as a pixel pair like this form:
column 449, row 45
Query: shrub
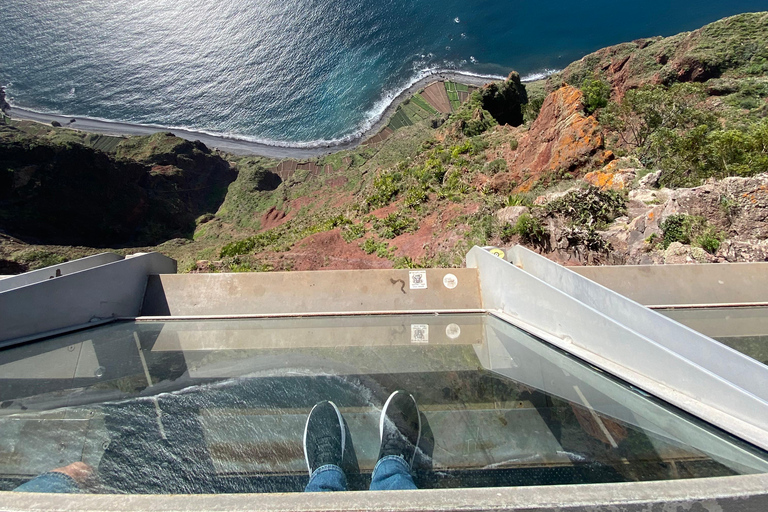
column 691, row 229
column 251, row 244
column 687, row 159
column 591, row 207
column 649, row 109
column 394, row 225
column 415, row 196
column 461, row 149
column 353, row 232
column 381, row 248
column 495, row 167
column 386, row 187
column 453, row 187
column 518, row 200
column 530, row 230
column 597, row 92
column 532, row 109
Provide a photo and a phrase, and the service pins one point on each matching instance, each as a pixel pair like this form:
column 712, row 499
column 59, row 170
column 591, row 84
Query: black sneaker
column 324, row 436
column 400, row 427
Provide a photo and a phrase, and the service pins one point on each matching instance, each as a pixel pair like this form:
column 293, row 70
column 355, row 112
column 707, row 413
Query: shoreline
column 244, row 147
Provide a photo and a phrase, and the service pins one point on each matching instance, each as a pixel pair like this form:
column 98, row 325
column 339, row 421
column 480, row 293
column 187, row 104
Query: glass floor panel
column 220, row 405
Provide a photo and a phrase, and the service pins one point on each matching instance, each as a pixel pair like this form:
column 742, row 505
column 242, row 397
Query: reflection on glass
column 220, row 406
column 742, row 328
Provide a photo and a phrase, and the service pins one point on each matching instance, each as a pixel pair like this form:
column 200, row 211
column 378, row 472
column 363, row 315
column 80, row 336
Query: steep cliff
column 70, row 194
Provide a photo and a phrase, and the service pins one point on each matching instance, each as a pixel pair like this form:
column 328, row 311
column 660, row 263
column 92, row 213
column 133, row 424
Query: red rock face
column 561, row 139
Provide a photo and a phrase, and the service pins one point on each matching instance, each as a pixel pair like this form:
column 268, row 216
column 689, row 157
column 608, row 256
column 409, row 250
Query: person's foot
column 400, row 427
column 324, row 436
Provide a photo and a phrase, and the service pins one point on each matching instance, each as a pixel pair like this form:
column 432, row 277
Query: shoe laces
column 324, row 446
column 394, row 441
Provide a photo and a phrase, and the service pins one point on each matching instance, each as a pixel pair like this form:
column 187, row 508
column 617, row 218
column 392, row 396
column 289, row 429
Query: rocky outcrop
column 734, row 208
column 3, row 104
column 562, row 139
column 737, row 207
column 735, row 44
column 617, row 175
column 70, row 194
column 505, row 100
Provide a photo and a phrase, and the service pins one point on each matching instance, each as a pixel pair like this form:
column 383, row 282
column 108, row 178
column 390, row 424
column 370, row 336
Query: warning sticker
column 419, row 333
column 418, row 279
column 498, row 253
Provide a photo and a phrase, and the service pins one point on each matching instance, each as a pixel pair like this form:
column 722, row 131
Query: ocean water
column 296, row 72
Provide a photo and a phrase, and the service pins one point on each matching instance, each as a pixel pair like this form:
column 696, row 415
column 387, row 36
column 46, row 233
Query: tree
column 597, row 92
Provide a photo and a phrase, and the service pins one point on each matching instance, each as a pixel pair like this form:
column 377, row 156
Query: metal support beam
column 56, row 271
column 597, row 325
column 78, row 299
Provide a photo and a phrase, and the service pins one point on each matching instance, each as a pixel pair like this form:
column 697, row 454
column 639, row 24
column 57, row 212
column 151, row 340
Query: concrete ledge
column 310, row 292
column 655, row 285
column 739, row 493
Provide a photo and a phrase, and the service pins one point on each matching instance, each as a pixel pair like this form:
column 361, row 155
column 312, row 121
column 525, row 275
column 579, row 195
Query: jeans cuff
column 327, row 467
column 396, row 459
column 47, row 482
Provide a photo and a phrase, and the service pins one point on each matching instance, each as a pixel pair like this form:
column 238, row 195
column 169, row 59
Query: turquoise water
column 295, row 72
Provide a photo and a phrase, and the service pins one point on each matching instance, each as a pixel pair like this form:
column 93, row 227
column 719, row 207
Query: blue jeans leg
column 50, row 482
column 392, row 474
column 327, row 478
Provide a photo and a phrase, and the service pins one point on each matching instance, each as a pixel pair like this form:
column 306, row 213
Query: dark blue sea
column 296, row 71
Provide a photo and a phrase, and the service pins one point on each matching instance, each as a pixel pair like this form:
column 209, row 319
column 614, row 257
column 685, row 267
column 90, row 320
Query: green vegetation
column 705, row 116
column 530, row 230
column 380, row 248
column 394, row 225
column 353, row 232
column 453, row 95
column 496, row 166
column 282, row 237
column 471, row 119
column 40, row 259
column 669, row 128
column 419, row 100
column 519, row 200
column 691, row 229
column 590, row 208
column 597, row 92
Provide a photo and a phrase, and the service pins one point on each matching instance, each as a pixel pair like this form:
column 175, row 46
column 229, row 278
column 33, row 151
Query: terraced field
column 453, row 95
column 103, row 143
column 437, row 98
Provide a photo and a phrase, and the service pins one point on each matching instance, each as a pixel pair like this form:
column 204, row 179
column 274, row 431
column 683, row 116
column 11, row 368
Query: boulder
column 511, row 213
column 617, row 175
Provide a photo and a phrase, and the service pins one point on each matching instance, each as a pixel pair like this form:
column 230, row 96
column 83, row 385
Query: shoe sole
column 343, row 434
column 381, row 422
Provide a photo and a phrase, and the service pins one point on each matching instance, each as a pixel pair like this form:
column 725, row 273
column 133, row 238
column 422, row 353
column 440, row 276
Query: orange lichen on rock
column 561, row 139
column 611, row 177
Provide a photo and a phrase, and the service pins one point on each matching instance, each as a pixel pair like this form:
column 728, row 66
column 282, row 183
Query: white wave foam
column 539, row 75
column 373, row 116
